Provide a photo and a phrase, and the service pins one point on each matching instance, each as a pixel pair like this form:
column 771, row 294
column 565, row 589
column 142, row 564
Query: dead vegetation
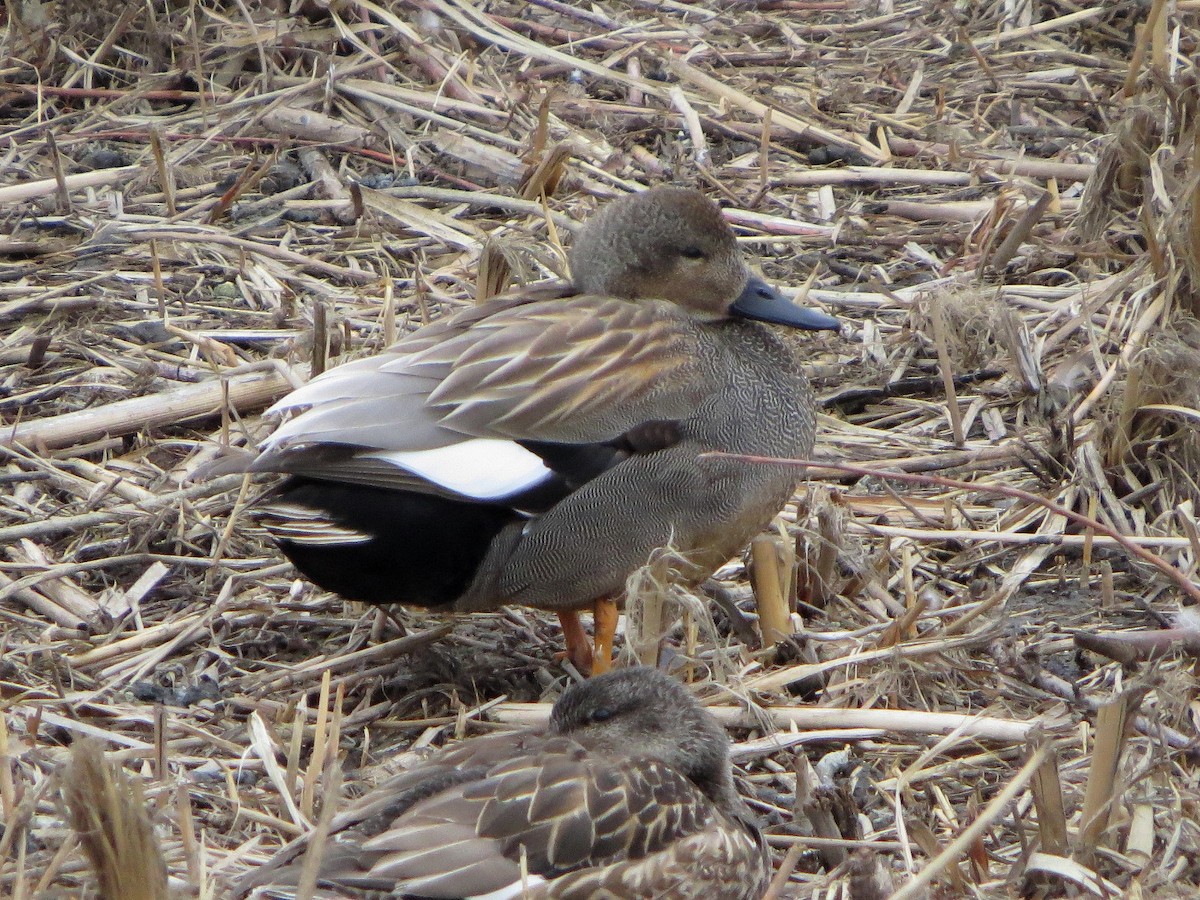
column 204, row 202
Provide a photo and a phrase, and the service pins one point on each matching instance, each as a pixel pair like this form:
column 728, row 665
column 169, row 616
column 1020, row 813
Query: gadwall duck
column 536, row 449
column 628, row 794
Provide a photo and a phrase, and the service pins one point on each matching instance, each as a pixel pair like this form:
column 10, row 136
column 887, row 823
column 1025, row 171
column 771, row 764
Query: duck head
column 672, row 244
column 642, row 710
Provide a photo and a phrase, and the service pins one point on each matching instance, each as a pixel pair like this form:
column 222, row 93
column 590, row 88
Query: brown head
column 671, row 243
column 641, row 711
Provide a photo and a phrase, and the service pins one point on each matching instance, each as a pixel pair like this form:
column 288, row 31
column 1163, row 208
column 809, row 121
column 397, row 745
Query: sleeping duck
column 628, row 795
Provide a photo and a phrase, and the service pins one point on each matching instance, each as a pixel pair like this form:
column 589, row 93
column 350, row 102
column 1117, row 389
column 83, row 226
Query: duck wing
column 558, row 811
column 726, row 861
column 461, row 826
column 495, row 400
column 582, row 826
column 577, row 372
column 374, row 811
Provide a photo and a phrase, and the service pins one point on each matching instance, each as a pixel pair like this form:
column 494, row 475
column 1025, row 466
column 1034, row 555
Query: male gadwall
column 628, row 794
column 536, row 449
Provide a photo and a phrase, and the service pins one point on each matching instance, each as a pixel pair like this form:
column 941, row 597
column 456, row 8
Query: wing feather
column 584, row 371
column 561, row 808
column 345, row 861
column 719, row 863
column 578, row 371
column 586, row 826
column 523, row 366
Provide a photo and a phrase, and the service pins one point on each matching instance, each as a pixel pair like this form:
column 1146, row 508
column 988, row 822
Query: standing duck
column 627, row 794
column 536, row 449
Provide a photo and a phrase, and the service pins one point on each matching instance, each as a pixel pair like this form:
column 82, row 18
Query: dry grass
column 203, row 201
column 109, row 815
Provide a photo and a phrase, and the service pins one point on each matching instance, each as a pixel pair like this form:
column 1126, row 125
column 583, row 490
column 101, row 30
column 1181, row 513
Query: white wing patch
column 479, row 468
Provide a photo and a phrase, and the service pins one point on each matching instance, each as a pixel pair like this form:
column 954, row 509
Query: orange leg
column 604, row 624
column 579, row 648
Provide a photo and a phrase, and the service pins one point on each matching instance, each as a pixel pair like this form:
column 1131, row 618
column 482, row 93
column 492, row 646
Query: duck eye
column 692, row 253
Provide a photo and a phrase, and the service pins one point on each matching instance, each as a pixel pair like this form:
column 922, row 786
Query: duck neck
column 765, row 403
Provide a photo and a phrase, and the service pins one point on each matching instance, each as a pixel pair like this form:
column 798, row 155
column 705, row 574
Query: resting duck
column 537, row 449
column 628, row 794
